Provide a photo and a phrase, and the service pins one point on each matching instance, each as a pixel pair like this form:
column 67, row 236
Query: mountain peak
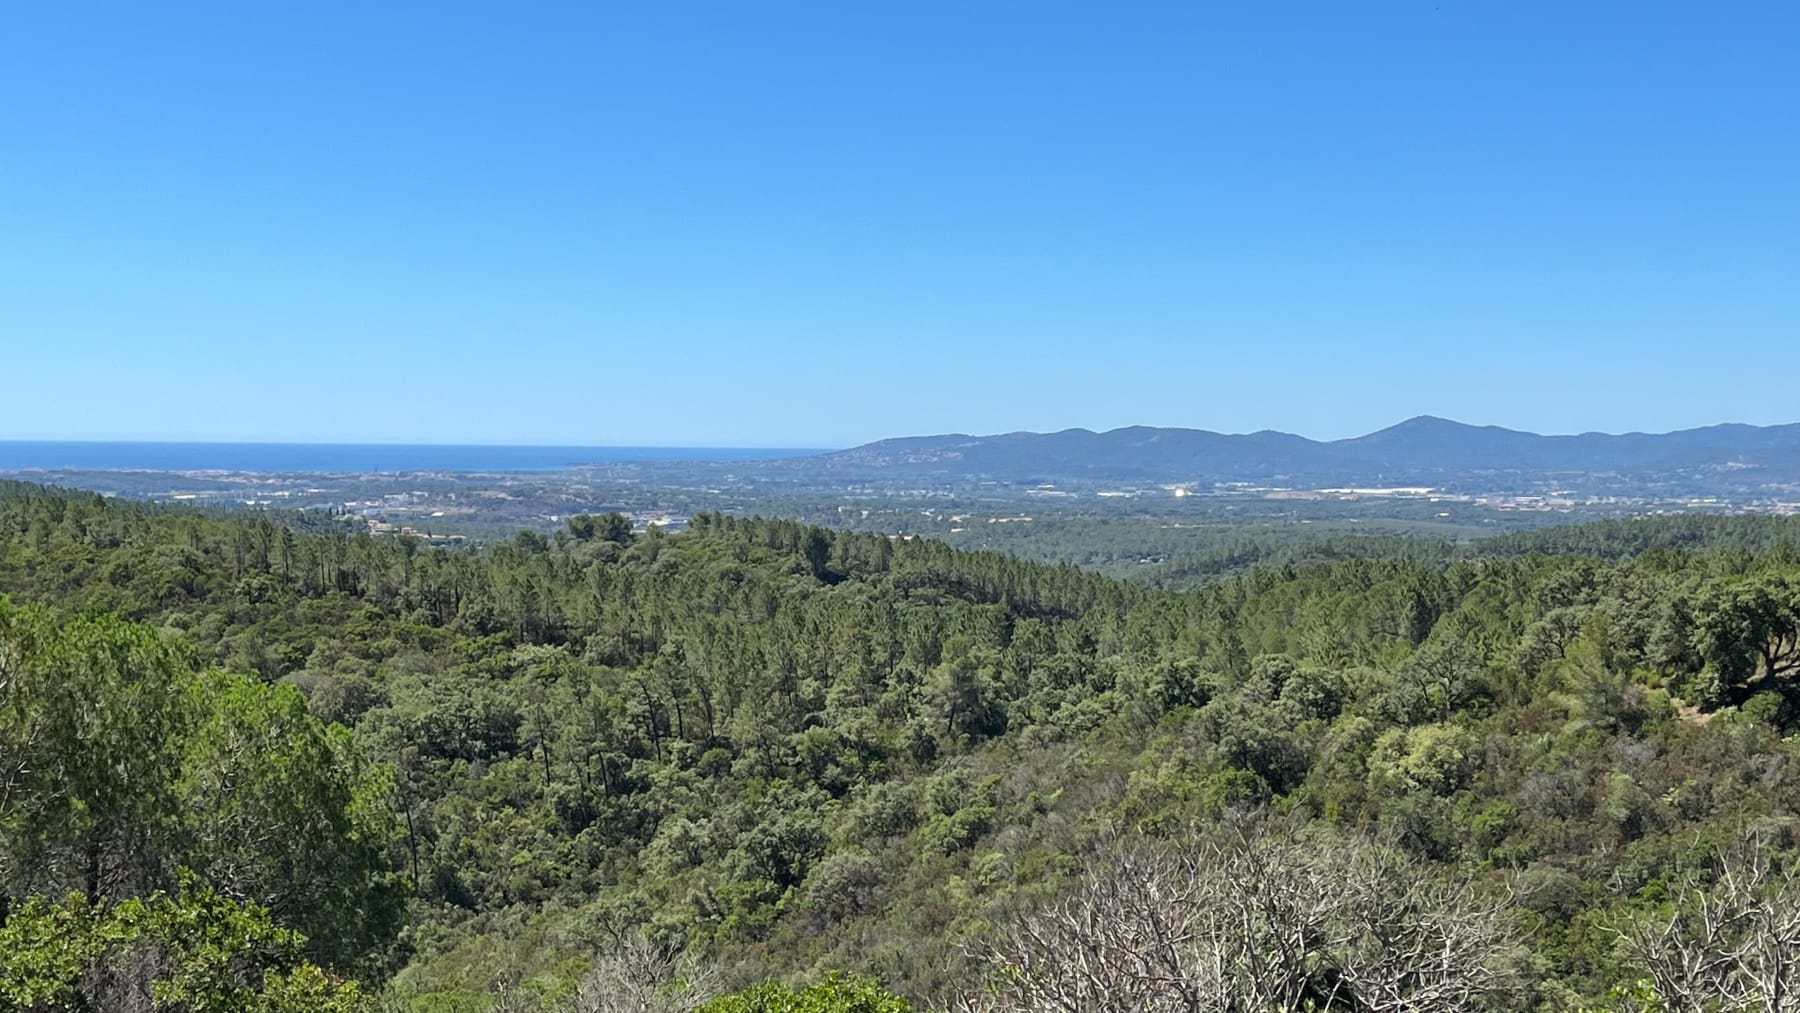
column 1432, row 424
column 1431, row 420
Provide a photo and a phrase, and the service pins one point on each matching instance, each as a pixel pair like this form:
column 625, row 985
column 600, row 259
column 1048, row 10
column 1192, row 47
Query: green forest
column 757, row 765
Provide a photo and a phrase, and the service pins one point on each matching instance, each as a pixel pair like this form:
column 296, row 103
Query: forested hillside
column 597, row 771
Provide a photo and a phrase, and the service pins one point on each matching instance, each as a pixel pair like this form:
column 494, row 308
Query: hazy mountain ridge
column 1425, row 449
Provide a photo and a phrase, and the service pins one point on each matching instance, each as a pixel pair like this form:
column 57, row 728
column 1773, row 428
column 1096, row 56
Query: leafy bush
column 833, row 995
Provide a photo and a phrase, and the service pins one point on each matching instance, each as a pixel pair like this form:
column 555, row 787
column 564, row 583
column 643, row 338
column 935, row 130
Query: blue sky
column 818, row 224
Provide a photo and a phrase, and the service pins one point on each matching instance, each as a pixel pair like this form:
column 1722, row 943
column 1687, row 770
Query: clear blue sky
column 817, row 224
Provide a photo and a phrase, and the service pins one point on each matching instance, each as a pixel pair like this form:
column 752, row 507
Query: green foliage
column 194, row 952
column 286, row 811
column 121, row 763
column 833, row 995
column 1431, row 758
column 785, row 750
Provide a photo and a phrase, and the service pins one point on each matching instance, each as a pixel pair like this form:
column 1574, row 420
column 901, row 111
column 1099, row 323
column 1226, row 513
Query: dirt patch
column 1690, row 713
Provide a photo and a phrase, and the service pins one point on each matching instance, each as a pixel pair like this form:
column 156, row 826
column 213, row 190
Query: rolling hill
column 1424, row 450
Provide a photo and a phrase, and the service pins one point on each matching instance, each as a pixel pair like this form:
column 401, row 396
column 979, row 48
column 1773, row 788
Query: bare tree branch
column 1729, row 944
column 1274, row 918
column 641, row 976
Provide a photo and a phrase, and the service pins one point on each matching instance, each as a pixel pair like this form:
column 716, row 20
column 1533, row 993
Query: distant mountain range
column 1420, row 451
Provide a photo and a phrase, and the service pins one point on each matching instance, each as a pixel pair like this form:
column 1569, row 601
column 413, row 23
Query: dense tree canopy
column 472, row 777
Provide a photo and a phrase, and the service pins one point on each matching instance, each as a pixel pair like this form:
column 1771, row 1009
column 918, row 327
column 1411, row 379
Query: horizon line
column 837, row 446
column 99, row 441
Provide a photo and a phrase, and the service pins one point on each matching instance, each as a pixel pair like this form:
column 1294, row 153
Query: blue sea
column 348, row 457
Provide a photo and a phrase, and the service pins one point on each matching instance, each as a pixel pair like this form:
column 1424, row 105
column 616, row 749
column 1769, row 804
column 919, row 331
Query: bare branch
column 1276, row 918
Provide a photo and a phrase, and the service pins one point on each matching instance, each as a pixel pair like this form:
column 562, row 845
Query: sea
column 25, row 456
